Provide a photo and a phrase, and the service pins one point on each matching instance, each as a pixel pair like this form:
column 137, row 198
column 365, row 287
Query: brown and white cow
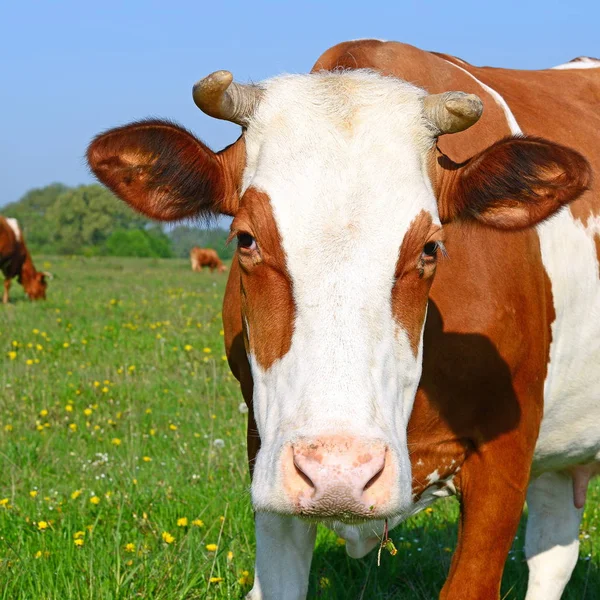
column 206, row 257
column 15, row 261
column 386, row 270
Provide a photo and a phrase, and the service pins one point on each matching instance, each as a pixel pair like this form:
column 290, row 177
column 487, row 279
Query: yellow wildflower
column 216, row 579
column 95, row 500
column 78, row 534
column 69, row 407
column 87, row 412
column 211, row 547
column 130, row 547
column 38, row 554
column 78, row 542
column 75, row 494
column 12, row 355
column 173, row 427
column 33, row 493
column 198, row 523
column 42, row 525
column 116, row 442
column 182, row 522
column 206, row 350
column 245, row 579
column 167, row 537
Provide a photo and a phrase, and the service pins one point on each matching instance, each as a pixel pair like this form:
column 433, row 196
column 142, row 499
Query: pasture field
column 122, row 454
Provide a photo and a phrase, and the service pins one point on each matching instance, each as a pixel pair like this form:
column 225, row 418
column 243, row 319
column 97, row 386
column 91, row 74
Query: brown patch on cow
column 266, row 288
column 413, row 279
column 165, row 172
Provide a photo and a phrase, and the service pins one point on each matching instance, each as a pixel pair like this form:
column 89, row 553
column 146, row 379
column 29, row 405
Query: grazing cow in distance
column 15, row 261
column 206, row 257
column 396, row 260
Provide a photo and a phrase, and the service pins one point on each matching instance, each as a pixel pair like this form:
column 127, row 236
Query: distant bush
column 138, row 242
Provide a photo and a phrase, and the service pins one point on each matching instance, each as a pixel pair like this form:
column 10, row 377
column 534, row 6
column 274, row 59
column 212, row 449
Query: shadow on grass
column 425, row 545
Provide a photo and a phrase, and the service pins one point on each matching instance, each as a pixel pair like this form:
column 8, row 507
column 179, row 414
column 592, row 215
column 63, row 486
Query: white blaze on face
column 342, row 159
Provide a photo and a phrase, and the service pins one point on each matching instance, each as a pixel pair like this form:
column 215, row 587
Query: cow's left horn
column 452, row 112
column 219, row 96
column 48, row 274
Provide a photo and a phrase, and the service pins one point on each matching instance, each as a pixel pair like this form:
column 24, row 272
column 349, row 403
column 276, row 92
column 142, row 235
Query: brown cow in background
column 206, row 257
column 15, row 261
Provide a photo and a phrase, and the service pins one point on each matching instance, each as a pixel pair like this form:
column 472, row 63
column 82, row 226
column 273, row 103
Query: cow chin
column 333, row 479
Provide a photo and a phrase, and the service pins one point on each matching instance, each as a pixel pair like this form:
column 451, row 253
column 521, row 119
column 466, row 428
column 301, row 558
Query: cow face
column 338, row 235
column 36, row 286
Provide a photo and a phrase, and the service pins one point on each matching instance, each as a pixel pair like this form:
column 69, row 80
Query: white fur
column 551, row 540
column 345, row 182
column 14, row 225
column 583, row 62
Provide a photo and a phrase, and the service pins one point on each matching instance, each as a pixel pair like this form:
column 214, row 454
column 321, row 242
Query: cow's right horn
column 452, row 112
column 219, row 96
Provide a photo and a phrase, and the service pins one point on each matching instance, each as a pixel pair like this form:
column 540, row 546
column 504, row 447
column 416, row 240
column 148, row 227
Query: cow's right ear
column 165, row 172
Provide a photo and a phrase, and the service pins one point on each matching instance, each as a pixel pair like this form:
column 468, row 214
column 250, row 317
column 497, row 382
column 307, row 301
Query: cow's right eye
column 245, row 241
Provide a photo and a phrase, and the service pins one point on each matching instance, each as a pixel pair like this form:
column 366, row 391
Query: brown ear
column 165, row 172
column 516, row 183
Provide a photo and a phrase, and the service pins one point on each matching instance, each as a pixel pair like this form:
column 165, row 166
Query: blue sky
column 71, row 69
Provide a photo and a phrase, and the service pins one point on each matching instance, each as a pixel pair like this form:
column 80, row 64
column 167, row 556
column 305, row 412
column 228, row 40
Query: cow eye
column 430, row 250
column 245, row 241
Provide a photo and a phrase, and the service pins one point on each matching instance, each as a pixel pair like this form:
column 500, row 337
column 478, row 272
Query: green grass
column 123, row 398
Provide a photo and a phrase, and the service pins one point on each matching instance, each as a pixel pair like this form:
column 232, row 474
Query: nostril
column 302, row 474
column 374, row 478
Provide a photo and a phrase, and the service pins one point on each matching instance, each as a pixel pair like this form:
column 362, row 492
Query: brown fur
column 15, row 261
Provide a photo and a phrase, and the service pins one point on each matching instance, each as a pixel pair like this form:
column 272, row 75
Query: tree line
column 89, row 220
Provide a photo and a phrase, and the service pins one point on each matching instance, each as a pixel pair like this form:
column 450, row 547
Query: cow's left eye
column 245, row 241
column 430, row 250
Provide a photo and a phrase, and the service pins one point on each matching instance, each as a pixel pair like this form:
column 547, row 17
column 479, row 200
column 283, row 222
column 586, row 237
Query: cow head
column 35, row 286
column 339, row 226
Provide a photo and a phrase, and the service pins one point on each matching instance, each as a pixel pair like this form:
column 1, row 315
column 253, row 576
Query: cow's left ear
column 515, row 183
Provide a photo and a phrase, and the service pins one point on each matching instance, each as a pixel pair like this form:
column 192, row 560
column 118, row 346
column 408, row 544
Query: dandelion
column 42, row 525
column 4, row 502
column 96, row 384
column 130, row 547
column 78, row 534
column 146, row 459
column 148, row 411
column 182, row 522
column 131, row 368
column 8, row 427
column 78, row 542
column 167, row 537
column 38, row 554
column 187, row 348
column 340, row 541
column 115, row 442
column 324, row 583
column 87, row 412
column 65, row 344
column 216, row 579
column 152, row 432
column 33, row 493
column 219, row 443
column 35, row 331
column 211, row 547
column 229, row 556
column 428, row 510
column 29, row 362
column 39, row 347
column 245, row 579
column 75, row 494
column 69, row 408
column 73, row 426
column 206, row 350
column 198, row 523
column 173, row 427
column 12, row 355
column 95, row 500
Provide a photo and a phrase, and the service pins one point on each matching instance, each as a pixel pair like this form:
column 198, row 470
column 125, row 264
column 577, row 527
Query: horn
column 452, row 112
column 48, row 275
column 219, row 96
